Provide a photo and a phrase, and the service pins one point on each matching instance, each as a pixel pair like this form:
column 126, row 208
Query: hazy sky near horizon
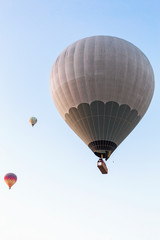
column 60, row 193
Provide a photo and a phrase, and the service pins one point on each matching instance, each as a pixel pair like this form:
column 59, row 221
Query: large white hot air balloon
column 102, row 86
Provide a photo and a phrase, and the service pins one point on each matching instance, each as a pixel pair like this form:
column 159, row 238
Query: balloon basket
column 102, row 166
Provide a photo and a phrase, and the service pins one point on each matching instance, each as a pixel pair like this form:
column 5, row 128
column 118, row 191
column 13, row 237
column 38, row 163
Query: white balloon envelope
column 102, row 87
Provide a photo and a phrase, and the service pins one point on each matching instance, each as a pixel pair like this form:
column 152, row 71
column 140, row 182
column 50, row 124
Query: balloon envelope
column 10, row 179
column 33, row 121
column 102, row 87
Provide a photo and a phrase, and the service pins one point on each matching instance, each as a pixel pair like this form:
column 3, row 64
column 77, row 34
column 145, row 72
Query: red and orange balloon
column 10, row 179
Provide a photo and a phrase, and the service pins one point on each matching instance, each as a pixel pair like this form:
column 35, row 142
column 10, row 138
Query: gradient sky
column 60, row 193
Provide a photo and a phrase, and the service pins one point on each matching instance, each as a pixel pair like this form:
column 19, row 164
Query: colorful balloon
column 10, row 179
column 102, row 86
column 33, row 121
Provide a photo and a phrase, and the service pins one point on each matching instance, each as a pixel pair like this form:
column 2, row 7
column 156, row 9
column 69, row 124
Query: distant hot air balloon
column 102, row 87
column 33, row 121
column 10, row 179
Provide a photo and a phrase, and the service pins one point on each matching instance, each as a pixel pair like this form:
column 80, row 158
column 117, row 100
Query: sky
column 60, row 193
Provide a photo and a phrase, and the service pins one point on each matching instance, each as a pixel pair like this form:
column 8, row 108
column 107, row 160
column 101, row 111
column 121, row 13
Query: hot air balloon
column 102, row 87
column 33, row 121
column 10, row 179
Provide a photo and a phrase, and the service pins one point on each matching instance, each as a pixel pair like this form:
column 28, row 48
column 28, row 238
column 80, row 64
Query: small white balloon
column 33, row 121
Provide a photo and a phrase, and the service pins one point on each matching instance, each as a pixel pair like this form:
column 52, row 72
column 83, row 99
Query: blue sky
column 60, row 193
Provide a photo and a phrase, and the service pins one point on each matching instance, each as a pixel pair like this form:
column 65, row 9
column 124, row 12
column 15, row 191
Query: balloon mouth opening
column 102, row 148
